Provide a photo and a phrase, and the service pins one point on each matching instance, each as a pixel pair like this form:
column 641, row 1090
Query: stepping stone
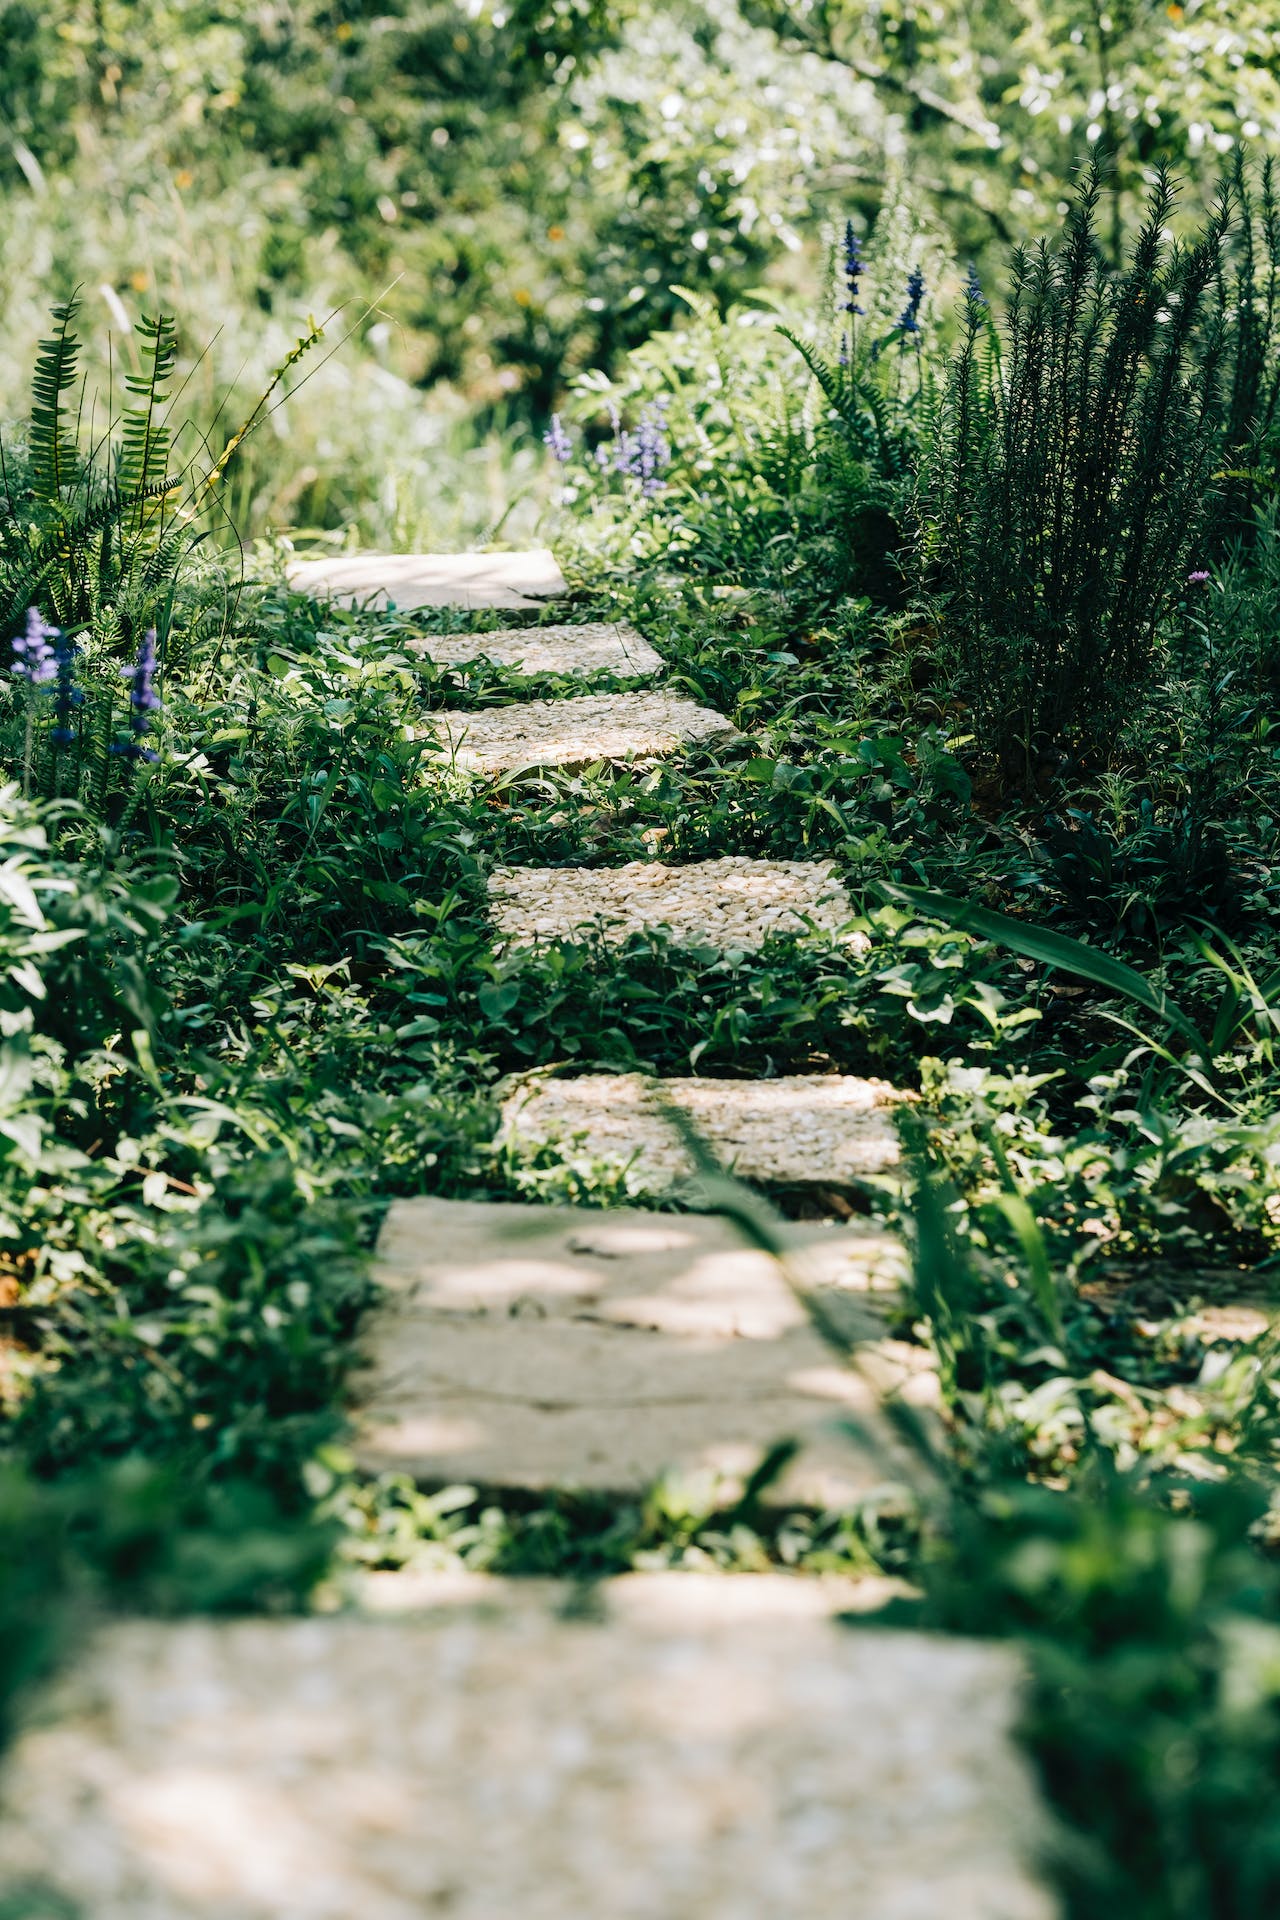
column 573, row 733
column 407, row 580
column 733, row 902
column 806, row 1129
column 700, row 1746
column 535, row 1347
column 596, row 647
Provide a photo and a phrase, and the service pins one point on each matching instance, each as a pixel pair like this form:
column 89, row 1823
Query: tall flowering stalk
column 557, row 442
column 35, row 666
column 68, row 697
column 653, row 449
column 143, row 702
column 854, row 266
column 908, row 322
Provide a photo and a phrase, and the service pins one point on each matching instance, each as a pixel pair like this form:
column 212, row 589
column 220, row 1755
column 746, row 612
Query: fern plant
column 54, row 451
column 1067, row 492
column 94, row 542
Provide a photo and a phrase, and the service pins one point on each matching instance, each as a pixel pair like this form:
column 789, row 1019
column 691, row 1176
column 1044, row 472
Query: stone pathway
column 573, row 733
column 693, row 1749
column 537, row 1347
column 408, row 580
column 665, row 1747
column 582, row 653
column 734, row 902
column 826, row 1130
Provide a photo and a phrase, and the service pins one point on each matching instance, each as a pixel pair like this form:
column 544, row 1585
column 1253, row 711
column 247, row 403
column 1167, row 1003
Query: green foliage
column 1154, row 1712
column 54, row 451
column 1068, row 488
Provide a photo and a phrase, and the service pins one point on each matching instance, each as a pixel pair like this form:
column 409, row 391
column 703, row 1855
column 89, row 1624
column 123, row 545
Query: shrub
column 1067, row 487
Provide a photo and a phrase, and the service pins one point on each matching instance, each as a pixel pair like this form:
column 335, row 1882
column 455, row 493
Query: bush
column 1066, row 497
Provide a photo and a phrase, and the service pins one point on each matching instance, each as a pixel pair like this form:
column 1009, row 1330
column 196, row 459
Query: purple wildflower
column 1197, row 579
column 653, row 449
column 975, row 298
column 908, row 321
column 557, row 441
column 69, row 695
column 843, row 355
column 34, row 658
column 853, row 268
column 143, row 701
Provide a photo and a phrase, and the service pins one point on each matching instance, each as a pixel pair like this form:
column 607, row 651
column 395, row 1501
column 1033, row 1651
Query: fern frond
column 144, row 448
column 54, row 455
column 65, row 550
column 827, row 376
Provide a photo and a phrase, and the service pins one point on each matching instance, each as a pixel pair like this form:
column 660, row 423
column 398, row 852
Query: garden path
column 667, row 1747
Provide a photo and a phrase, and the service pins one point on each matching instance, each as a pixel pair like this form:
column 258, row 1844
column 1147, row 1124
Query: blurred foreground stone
column 409, row 580
column 696, row 1748
column 536, row 1347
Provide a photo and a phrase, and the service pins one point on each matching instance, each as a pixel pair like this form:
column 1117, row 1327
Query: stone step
column 533, row 1347
column 573, row 733
column 408, row 580
column 699, row 1748
column 596, row 647
column 826, row 1130
column 730, row 903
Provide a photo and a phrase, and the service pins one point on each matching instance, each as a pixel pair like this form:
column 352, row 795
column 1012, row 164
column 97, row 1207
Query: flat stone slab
column 734, row 902
column 596, row 647
column 524, row 1346
column 572, row 733
column 688, row 1754
column 806, row 1129
column 410, row 580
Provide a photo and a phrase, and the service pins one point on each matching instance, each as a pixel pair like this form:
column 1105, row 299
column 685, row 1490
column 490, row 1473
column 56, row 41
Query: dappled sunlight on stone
column 409, row 580
column 572, row 733
column 730, row 903
column 596, row 647
column 806, row 1129
column 612, row 1348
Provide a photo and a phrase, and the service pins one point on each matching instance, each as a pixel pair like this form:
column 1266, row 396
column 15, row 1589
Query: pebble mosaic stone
column 408, row 580
column 734, row 902
column 696, row 1748
column 572, row 733
column 534, row 1347
column 597, row 647
column 806, row 1129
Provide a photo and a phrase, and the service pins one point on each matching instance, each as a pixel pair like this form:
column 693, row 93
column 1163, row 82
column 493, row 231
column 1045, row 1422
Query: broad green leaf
column 1048, row 948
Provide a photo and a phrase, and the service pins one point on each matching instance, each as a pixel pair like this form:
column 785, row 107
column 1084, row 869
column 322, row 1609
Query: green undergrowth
column 250, row 996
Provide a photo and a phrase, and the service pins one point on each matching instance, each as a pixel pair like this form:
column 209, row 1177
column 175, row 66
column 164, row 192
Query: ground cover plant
column 984, row 567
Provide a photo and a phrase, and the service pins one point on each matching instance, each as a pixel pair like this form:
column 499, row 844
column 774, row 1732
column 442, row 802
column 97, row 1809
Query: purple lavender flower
column 653, row 449
column 557, row 441
column 908, row 321
column 143, row 701
column 975, row 298
column 34, row 658
column 843, row 355
column 69, row 695
column 853, row 268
